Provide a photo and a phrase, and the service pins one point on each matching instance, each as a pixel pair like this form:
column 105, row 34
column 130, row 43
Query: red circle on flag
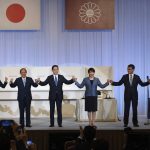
column 15, row 13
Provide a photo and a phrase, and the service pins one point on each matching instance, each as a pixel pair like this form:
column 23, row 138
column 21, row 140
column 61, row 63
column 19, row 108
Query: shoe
column 60, row 125
column 125, row 125
column 51, row 125
column 28, row 125
column 135, row 125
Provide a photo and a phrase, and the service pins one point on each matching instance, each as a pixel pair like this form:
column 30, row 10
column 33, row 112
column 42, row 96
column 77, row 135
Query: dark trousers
column 127, row 110
column 58, row 101
column 24, row 106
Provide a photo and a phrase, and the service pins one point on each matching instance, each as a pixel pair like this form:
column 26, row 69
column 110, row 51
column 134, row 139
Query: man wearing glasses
column 130, row 82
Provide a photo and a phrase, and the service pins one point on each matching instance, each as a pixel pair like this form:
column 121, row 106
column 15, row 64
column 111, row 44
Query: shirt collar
column 55, row 75
column 132, row 75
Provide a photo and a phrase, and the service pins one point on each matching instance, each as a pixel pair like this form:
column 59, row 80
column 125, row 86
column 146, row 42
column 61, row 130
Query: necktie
column 24, row 82
column 131, row 79
column 56, row 81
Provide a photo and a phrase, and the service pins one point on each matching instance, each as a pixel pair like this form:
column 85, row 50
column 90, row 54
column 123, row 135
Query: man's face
column 130, row 70
column 55, row 70
column 23, row 73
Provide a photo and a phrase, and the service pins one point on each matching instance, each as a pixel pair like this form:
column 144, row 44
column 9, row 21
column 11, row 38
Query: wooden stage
column 48, row 138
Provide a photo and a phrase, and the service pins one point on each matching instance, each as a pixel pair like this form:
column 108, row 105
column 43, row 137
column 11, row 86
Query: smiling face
column 130, row 70
column 23, row 73
column 91, row 74
column 55, row 70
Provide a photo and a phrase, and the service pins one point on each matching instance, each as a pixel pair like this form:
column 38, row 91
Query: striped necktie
column 131, row 79
column 56, row 81
column 24, row 82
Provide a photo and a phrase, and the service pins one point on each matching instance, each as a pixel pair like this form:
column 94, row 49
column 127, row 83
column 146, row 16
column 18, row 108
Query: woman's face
column 91, row 74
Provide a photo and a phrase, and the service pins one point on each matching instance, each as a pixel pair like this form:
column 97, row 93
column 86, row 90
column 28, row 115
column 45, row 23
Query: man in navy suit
column 24, row 98
column 55, row 82
column 3, row 85
column 130, row 82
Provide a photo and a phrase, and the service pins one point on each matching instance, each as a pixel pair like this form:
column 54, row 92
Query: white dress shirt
column 130, row 77
column 55, row 76
column 24, row 81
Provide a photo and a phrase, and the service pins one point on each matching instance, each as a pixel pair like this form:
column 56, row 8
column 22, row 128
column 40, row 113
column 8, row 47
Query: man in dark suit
column 130, row 82
column 24, row 98
column 55, row 82
column 3, row 85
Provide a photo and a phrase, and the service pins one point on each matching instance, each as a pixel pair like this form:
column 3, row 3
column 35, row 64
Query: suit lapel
column 54, row 79
column 133, row 79
column 127, row 78
column 90, row 82
column 26, row 81
column 58, row 80
column 94, row 81
column 23, row 83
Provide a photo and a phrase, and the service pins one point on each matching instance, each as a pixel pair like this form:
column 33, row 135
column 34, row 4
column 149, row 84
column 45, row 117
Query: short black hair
column 91, row 70
column 23, row 69
column 89, row 133
column 131, row 66
column 54, row 66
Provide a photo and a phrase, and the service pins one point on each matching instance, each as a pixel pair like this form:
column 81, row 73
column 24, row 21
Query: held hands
column 37, row 80
column 74, row 78
column 11, row 80
column 110, row 81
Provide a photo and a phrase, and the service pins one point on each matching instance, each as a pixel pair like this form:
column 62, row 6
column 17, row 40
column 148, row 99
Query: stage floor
column 71, row 124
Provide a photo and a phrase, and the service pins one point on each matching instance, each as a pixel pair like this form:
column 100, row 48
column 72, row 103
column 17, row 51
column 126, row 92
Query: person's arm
column 3, row 85
column 102, row 85
column 80, row 85
column 67, row 81
column 117, row 83
column 34, row 84
column 13, row 84
column 143, row 83
column 44, row 82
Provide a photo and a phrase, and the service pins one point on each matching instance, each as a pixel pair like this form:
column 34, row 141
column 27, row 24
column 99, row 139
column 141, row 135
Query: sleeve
column 67, row 81
column 3, row 85
column 119, row 82
column 142, row 83
column 13, row 84
column 44, row 82
column 102, row 85
column 34, row 84
column 80, row 85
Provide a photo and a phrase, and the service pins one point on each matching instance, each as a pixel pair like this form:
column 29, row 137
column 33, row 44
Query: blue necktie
column 56, row 81
column 24, row 82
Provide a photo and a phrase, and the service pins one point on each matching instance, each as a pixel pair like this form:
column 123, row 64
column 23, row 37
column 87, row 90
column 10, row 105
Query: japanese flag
column 20, row 15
